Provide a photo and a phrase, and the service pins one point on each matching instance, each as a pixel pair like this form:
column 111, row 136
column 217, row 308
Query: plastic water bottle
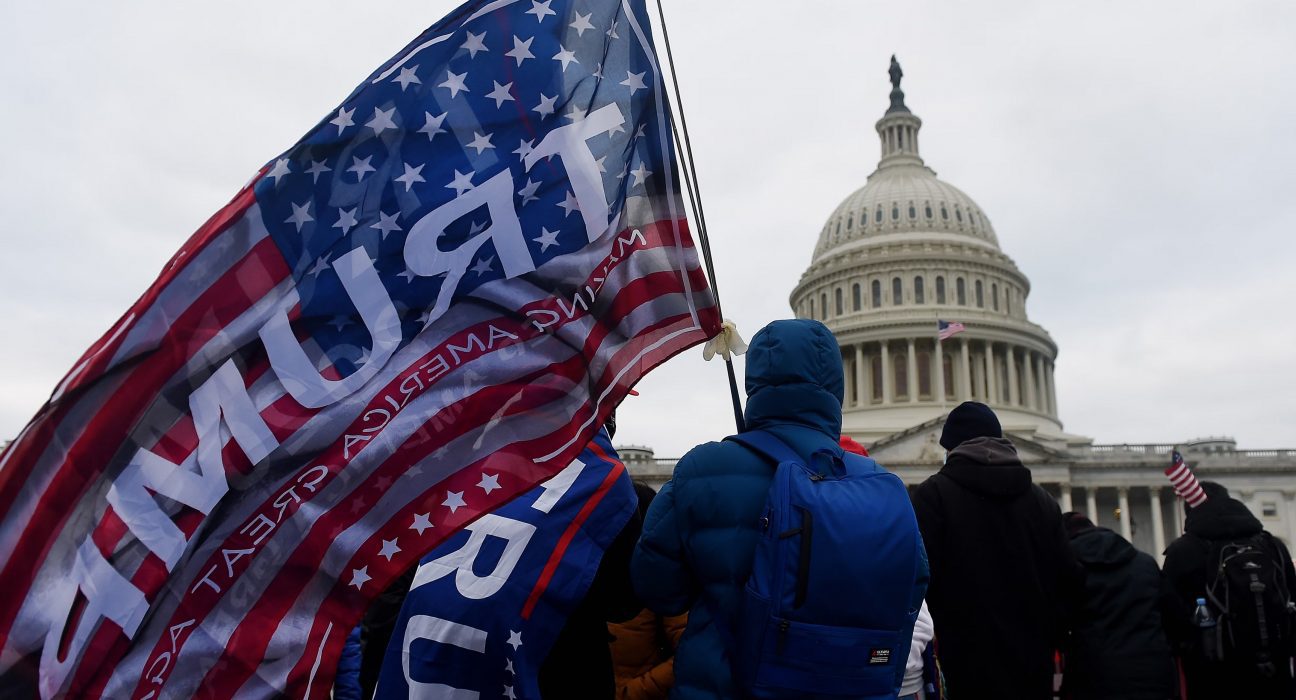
column 1206, row 628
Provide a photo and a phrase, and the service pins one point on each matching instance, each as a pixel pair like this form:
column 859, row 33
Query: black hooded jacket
column 1003, row 579
column 1118, row 649
column 1218, row 519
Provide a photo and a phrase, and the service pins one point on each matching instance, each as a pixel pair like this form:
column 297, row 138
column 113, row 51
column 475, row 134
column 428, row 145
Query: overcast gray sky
column 1136, row 160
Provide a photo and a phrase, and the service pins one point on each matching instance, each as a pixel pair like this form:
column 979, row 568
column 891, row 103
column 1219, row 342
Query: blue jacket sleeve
column 661, row 576
column 346, row 686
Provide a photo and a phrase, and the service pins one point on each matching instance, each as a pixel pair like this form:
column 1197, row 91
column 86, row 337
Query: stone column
column 887, row 375
column 861, row 398
column 1066, row 498
column 1091, row 503
column 940, row 372
column 911, row 371
column 1053, row 392
column 1014, row 395
column 1028, row 380
column 1122, row 494
column 1158, row 525
column 1178, row 515
column 1041, row 387
column 965, row 371
column 1289, row 515
column 992, row 385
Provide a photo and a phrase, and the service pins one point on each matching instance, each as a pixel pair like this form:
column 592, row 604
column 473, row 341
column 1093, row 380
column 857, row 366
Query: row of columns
column 980, row 379
column 1123, row 502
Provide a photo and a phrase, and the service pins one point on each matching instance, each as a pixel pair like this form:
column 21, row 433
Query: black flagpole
column 694, row 190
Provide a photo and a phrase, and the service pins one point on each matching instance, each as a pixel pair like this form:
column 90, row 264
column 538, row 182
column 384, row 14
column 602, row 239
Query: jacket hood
column 1101, row 548
column 794, row 376
column 1221, row 517
column 988, row 466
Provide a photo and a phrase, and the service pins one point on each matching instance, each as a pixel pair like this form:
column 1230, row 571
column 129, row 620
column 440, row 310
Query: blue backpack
column 828, row 609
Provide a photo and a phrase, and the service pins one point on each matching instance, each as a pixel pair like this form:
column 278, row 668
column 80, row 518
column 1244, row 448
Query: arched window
column 924, row 374
column 876, row 295
column 895, row 212
column 913, row 212
column 850, row 221
column 823, row 305
column 855, row 297
column 918, row 291
column 940, row 290
column 812, row 314
column 980, row 298
column 944, row 213
column 838, row 231
column 837, row 298
column 927, row 210
column 994, row 296
column 958, row 214
column 897, row 291
column 878, row 217
column 960, row 291
column 972, row 218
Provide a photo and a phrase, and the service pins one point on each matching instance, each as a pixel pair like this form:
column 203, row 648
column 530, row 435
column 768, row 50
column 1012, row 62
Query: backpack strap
column 764, row 443
column 772, row 448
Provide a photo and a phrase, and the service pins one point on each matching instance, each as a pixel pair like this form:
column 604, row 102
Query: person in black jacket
column 1003, row 579
column 1188, row 570
column 579, row 664
column 1118, row 649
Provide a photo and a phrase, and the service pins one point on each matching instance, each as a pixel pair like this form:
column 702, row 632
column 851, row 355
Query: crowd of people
column 783, row 562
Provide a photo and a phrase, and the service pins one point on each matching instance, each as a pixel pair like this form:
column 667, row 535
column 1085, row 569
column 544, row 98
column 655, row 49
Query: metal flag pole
column 694, row 190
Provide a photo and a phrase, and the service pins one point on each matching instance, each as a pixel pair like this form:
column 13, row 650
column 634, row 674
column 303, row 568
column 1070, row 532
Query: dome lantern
column 898, row 128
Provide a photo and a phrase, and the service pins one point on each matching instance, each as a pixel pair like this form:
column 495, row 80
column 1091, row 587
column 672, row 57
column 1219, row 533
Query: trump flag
column 485, row 607
column 415, row 314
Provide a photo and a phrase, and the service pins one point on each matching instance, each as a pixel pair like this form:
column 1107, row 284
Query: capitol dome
column 902, row 199
column 898, row 255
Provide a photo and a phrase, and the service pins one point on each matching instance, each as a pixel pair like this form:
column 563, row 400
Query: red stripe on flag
column 551, row 566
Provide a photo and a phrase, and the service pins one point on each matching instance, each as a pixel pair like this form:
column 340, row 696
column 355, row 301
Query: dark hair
column 646, row 495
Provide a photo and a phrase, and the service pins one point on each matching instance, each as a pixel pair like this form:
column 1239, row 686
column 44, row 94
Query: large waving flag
column 486, row 607
column 418, row 312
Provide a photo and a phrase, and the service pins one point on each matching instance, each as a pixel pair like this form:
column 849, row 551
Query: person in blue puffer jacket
column 700, row 533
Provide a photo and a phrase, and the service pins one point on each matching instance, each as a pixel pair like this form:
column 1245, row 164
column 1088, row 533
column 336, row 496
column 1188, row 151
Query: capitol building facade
column 907, row 250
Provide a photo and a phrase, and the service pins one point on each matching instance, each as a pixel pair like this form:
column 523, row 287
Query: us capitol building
column 907, row 249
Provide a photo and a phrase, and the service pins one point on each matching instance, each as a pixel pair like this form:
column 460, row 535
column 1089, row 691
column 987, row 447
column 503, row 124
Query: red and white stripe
column 1184, row 483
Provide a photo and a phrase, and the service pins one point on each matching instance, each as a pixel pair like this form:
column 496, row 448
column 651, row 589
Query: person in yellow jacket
column 643, row 655
column 643, row 648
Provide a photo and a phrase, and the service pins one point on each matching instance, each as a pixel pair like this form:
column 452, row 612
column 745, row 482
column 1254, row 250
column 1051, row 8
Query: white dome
column 899, row 257
column 901, row 199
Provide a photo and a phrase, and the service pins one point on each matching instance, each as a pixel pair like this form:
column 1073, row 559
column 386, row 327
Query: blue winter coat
column 700, row 533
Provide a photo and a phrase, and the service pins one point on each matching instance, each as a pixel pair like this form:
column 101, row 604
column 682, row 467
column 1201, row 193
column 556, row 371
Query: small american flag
column 1183, row 481
column 948, row 329
column 419, row 311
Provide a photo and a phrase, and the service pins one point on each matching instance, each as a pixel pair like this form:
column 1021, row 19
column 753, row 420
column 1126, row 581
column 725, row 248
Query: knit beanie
column 969, row 420
column 1215, row 490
